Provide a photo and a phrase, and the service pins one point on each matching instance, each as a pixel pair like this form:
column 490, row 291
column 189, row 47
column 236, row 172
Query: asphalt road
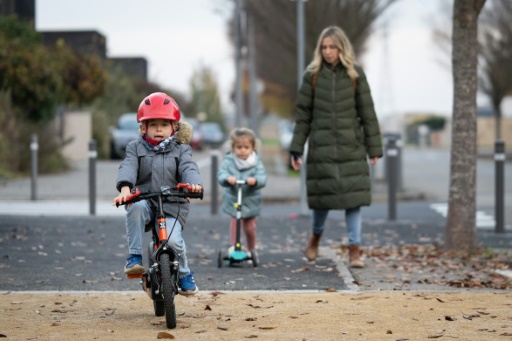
column 74, row 251
column 88, row 253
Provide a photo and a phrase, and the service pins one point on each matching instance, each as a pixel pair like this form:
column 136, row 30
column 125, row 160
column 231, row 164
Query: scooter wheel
column 220, row 259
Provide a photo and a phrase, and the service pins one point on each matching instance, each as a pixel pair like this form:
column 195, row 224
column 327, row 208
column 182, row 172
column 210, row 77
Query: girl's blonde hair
column 340, row 39
column 244, row 132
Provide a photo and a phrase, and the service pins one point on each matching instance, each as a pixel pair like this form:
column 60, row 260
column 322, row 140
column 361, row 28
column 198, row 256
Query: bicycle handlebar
column 181, row 191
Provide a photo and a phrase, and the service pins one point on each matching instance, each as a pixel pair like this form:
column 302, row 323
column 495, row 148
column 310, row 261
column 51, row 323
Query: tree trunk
column 460, row 224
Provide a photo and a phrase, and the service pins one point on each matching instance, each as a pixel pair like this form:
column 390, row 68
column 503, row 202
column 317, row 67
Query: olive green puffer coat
column 343, row 132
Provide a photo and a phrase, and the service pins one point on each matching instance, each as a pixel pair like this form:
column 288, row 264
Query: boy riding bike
column 160, row 156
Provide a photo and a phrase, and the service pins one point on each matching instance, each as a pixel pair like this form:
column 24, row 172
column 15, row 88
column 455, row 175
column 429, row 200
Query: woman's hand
column 373, row 160
column 296, row 162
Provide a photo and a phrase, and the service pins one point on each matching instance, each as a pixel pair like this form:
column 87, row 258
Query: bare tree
column 460, row 224
column 496, row 55
column 275, row 27
column 205, row 94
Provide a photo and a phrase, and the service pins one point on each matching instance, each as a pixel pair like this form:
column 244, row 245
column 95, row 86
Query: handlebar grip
column 195, row 195
column 191, row 195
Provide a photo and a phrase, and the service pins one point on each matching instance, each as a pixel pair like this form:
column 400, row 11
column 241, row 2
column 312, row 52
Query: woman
column 335, row 111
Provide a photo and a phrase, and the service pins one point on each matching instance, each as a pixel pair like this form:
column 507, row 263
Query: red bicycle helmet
column 158, row 105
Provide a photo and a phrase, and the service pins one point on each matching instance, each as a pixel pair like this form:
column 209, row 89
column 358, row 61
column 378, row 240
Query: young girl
column 243, row 163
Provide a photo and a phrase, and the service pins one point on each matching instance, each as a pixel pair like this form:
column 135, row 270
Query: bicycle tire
column 167, row 289
column 159, row 308
column 158, row 305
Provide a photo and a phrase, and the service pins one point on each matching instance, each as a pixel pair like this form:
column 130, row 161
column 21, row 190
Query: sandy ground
column 389, row 315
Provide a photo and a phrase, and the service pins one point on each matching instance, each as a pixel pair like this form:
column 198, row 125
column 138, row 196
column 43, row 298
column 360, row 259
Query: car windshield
column 128, row 123
column 211, row 128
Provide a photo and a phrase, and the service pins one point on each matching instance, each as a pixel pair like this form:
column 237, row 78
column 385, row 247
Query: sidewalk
column 72, row 189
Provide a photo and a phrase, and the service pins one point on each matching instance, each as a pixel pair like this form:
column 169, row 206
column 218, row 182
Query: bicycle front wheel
column 167, row 287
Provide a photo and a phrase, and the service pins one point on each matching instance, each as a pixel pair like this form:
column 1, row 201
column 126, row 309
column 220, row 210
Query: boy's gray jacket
column 251, row 195
column 343, row 131
column 149, row 170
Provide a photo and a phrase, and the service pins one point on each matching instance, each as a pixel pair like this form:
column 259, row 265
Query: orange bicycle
column 160, row 280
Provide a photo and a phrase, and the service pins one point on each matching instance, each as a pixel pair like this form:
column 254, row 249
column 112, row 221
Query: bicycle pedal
column 130, row 276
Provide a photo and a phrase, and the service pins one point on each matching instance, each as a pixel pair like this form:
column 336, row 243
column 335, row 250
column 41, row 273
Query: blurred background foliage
column 275, row 40
column 37, row 82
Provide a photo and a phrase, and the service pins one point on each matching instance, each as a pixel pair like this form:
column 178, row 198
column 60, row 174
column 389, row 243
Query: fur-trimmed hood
column 184, row 133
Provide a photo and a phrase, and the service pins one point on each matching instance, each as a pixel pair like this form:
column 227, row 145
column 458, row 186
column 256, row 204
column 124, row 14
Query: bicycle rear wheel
column 167, row 288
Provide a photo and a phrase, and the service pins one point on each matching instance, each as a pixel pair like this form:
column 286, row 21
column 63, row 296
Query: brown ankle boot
column 312, row 247
column 354, row 257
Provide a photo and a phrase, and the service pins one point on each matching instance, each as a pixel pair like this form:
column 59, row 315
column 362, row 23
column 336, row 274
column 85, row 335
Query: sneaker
column 187, row 285
column 134, row 265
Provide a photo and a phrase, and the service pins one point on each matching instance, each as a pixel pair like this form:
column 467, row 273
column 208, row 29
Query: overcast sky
column 177, row 36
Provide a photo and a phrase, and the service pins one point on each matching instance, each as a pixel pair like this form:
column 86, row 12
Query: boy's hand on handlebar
column 232, row 180
column 196, row 188
column 251, row 181
column 121, row 198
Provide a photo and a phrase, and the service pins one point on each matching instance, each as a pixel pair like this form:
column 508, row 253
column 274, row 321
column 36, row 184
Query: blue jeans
column 140, row 214
column 352, row 217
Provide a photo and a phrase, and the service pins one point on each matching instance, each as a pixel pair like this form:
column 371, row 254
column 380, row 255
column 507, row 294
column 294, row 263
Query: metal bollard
column 398, row 144
column 214, row 186
column 34, row 147
column 399, row 173
column 92, row 177
column 391, row 167
column 499, row 207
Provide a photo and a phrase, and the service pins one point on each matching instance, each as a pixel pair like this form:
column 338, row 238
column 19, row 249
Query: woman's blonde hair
column 244, row 132
column 347, row 56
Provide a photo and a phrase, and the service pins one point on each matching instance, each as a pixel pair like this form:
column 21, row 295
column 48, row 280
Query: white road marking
column 483, row 220
column 506, row 273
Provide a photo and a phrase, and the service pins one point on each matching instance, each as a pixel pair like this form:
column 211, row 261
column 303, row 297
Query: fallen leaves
column 258, row 307
column 164, row 335
column 431, row 265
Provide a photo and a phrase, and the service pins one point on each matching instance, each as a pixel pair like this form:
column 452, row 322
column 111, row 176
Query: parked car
column 213, row 136
column 197, row 136
column 127, row 129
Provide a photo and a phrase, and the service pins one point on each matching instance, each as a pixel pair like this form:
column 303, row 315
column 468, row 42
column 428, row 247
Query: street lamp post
column 239, row 67
column 300, row 70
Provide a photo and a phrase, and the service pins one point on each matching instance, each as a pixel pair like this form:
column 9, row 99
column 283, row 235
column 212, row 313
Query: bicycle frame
column 160, row 281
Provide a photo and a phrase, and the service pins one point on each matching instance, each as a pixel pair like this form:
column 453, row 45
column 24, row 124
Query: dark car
column 213, row 136
column 127, row 129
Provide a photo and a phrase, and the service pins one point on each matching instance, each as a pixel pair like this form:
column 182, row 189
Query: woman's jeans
column 140, row 214
column 352, row 217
